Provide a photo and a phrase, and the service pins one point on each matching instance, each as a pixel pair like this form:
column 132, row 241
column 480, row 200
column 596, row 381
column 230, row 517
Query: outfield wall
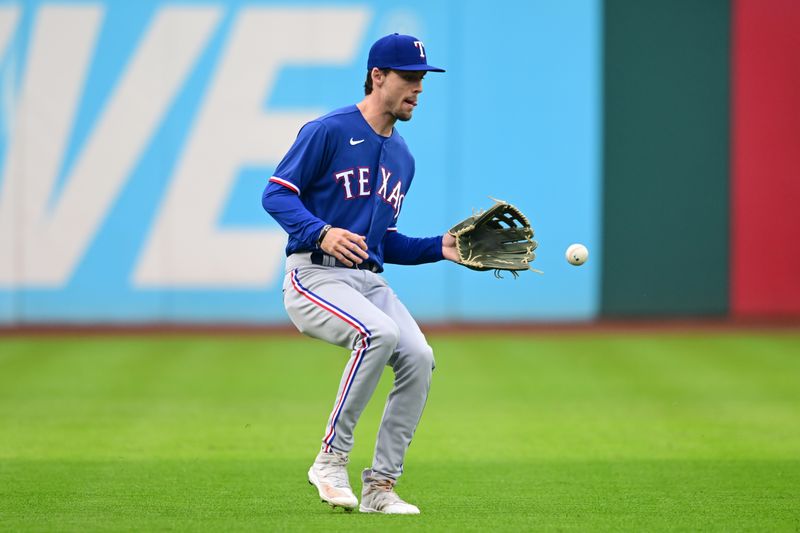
column 766, row 159
column 701, row 158
column 136, row 138
column 666, row 158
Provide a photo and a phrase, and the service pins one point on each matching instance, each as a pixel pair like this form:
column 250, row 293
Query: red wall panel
column 765, row 188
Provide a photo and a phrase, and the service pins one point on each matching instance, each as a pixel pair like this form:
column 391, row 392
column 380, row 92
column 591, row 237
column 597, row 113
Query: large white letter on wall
column 186, row 247
column 8, row 23
column 50, row 241
column 61, row 46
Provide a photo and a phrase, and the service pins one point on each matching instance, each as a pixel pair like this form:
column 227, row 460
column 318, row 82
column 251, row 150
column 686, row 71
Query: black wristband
column 322, row 234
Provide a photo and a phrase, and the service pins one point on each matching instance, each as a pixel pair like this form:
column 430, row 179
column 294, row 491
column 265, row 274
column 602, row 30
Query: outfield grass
column 586, row 433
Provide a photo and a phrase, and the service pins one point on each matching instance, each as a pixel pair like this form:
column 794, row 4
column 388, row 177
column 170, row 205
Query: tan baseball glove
column 499, row 238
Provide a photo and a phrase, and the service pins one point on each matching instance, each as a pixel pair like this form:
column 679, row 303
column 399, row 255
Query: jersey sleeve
column 400, row 249
column 301, row 164
column 288, row 210
column 304, row 160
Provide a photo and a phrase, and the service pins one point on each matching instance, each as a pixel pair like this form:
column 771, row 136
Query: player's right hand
column 349, row 248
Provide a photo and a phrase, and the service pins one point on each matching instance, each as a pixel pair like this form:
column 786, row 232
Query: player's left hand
column 449, row 248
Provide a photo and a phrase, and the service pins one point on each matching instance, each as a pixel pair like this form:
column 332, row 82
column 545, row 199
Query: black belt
column 321, row 258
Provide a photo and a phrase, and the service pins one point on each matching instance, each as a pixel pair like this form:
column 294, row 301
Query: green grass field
column 582, row 432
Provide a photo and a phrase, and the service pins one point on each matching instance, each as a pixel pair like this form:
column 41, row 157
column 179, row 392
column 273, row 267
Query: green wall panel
column 666, row 157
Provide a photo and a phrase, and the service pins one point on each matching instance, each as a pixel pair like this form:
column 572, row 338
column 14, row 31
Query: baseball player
column 338, row 193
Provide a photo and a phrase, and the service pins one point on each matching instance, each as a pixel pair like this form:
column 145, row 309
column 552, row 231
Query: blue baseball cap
column 399, row 52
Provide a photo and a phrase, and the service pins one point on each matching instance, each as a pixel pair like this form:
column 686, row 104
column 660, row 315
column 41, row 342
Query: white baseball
column 577, row 254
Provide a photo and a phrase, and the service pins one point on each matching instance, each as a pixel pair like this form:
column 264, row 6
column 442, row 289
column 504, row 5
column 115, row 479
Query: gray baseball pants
column 356, row 309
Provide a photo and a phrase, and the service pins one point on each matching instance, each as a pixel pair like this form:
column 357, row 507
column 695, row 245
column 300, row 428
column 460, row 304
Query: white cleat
column 378, row 496
column 329, row 475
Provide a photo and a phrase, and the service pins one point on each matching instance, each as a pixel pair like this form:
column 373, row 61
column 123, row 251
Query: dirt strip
column 610, row 326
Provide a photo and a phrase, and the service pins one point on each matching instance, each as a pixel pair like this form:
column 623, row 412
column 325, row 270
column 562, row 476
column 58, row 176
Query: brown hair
column 368, row 82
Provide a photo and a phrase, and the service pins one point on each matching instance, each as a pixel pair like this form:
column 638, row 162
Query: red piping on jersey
column 287, row 184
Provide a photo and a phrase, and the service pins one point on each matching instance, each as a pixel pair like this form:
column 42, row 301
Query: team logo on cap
column 421, row 47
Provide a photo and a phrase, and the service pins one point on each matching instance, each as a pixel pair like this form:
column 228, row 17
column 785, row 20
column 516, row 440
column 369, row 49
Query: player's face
column 400, row 90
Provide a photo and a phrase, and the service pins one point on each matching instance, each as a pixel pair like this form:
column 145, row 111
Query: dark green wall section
column 666, row 157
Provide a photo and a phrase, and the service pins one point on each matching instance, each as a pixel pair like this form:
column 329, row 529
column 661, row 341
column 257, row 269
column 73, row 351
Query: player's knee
column 423, row 360
column 386, row 335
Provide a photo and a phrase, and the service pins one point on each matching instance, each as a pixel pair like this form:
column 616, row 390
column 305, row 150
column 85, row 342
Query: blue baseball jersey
column 340, row 172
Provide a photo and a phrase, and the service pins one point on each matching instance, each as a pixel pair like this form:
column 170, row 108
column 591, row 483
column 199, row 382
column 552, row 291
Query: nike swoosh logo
column 353, row 143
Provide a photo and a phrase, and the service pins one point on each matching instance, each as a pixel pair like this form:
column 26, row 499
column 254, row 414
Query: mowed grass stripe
column 505, row 496
column 591, row 432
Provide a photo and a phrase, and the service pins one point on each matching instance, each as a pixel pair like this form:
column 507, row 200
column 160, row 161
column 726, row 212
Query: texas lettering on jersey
column 346, row 175
column 340, row 172
column 356, row 184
